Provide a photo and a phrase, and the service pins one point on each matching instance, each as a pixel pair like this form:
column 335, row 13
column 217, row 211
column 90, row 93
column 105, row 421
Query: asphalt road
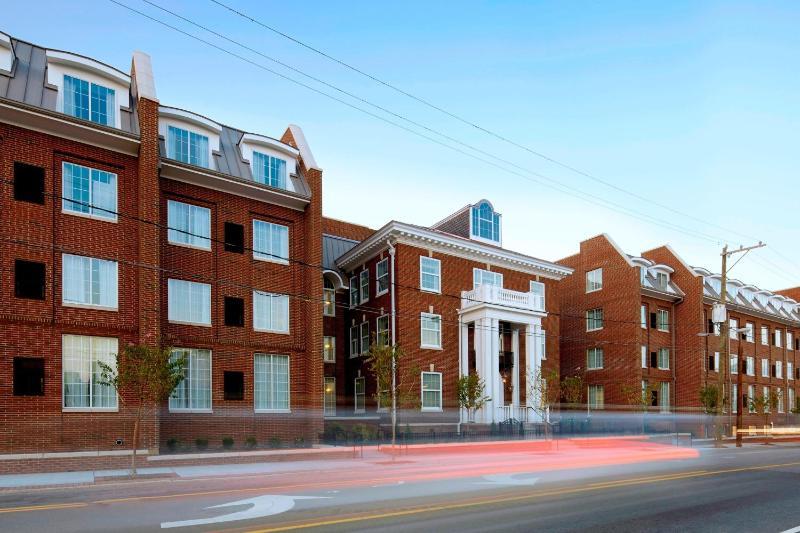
column 756, row 488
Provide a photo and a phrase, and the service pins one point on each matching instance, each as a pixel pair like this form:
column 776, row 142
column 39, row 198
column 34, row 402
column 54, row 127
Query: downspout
column 394, row 341
column 674, row 356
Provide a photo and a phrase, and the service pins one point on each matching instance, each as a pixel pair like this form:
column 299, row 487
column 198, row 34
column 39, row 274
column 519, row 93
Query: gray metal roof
column 27, row 83
column 334, row 247
column 228, row 160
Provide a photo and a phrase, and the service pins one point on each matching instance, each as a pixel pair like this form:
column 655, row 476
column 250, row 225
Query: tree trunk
column 135, row 440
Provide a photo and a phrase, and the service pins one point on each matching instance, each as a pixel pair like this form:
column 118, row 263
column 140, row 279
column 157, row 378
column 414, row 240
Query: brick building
column 124, row 221
column 455, row 301
column 645, row 324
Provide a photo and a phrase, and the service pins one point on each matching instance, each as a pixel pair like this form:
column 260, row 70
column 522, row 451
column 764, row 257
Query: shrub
column 201, row 443
column 250, row 442
column 227, row 442
column 172, row 444
column 275, row 442
column 299, row 442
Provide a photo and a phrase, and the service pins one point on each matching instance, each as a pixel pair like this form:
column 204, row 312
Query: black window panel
column 234, row 238
column 234, row 385
column 653, row 359
column 711, row 362
column 797, row 344
column 774, row 373
column 234, row 312
column 29, row 279
column 654, row 398
column 28, row 183
column 653, row 320
column 28, row 376
column 710, row 326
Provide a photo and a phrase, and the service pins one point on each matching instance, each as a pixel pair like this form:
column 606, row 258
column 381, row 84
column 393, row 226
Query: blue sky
column 690, row 104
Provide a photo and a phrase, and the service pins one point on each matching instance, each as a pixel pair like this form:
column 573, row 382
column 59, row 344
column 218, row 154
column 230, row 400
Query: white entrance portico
column 495, row 322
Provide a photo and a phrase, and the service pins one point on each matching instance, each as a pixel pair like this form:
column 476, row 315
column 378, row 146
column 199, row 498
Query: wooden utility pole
column 724, row 346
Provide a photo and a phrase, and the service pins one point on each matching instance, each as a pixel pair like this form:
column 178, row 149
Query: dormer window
column 269, row 170
column 89, row 101
column 485, row 222
column 662, row 279
column 187, row 146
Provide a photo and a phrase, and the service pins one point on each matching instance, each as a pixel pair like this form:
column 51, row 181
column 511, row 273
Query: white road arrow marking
column 260, row 506
column 507, row 479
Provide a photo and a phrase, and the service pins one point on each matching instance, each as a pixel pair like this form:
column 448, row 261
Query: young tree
column 471, row 394
column 639, row 398
column 394, row 386
column 572, row 389
column 544, row 391
column 765, row 404
column 145, row 376
column 712, row 401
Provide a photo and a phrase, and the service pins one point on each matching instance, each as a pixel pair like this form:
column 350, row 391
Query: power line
column 472, row 123
column 543, row 179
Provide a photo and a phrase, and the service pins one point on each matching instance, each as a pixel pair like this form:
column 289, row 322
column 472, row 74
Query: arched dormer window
column 190, row 138
column 485, row 222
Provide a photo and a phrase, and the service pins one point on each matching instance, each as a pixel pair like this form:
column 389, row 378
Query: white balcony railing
column 489, row 294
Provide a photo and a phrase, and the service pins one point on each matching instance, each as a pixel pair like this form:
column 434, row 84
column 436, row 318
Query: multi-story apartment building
column 645, row 323
column 455, row 301
column 124, row 221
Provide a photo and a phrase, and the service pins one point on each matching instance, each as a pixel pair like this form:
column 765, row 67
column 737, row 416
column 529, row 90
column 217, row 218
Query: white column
column 480, row 363
column 463, row 361
column 515, row 379
column 531, row 370
column 493, row 360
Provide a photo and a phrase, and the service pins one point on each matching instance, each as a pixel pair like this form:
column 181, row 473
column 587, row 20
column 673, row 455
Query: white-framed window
column 485, row 222
column 364, row 337
column 644, row 357
column 764, row 336
column 778, row 369
column 662, row 322
column 750, row 333
column 89, row 101
column 364, row 282
column 734, row 364
column 355, row 341
column 765, row 392
column 271, row 383
column 778, row 335
column 596, row 396
column 594, row 280
column 270, row 242
column 189, row 302
column 751, row 394
column 353, row 291
column 643, row 315
column 486, row 277
column 431, row 391
column 792, row 401
column 328, row 349
column 430, row 330
column 88, row 281
column 779, row 393
column 328, row 298
column 189, row 225
column 430, row 274
column 765, row 368
column 269, row 170
column 541, row 340
column 537, row 289
column 329, row 398
column 594, row 358
column 751, row 366
column 359, row 389
column 663, row 397
column 733, row 325
column 194, row 392
column 270, row 312
column 381, row 277
column 187, row 146
column 662, row 279
column 663, row 359
column 594, row 319
column 81, row 374
column 88, row 191
column 735, row 398
column 382, row 330
column 789, row 370
column 789, row 341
